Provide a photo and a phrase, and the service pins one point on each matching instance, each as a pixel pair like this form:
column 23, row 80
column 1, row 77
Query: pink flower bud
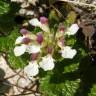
column 23, row 31
column 34, row 56
column 43, row 20
column 62, row 41
column 62, row 29
column 49, row 50
column 26, row 40
column 39, row 38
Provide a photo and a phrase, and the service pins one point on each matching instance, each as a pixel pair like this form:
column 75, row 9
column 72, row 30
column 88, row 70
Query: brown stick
column 79, row 3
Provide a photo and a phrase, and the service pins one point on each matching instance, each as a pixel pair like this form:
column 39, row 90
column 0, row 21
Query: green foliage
column 61, row 82
column 70, row 77
column 7, row 18
column 9, row 31
column 93, row 91
column 71, row 17
column 65, row 79
column 4, row 7
column 7, row 45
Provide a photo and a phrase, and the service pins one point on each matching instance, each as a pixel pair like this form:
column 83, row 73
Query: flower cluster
column 43, row 46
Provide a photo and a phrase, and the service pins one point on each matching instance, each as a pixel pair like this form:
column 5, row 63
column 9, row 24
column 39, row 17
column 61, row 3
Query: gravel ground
column 5, row 84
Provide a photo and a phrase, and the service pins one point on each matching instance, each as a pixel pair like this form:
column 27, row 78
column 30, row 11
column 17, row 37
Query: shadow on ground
column 4, row 84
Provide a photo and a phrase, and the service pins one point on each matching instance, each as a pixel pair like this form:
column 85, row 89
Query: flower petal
column 32, row 69
column 45, row 27
column 33, row 49
column 43, row 20
column 67, row 52
column 73, row 29
column 35, row 22
column 47, row 63
column 19, row 40
column 20, row 50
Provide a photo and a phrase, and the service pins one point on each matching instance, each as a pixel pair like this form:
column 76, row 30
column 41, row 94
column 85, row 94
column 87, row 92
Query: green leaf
column 4, row 7
column 61, row 81
column 66, row 88
column 70, row 40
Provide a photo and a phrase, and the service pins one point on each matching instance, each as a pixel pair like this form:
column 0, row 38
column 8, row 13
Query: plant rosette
column 44, row 46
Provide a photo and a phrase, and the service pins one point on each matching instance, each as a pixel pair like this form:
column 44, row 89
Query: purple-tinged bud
column 40, row 37
column 49, row 50
column 34, row 56
column 62, row 41
column 23, row 31
column 43, row 20
column 26, row 40
column 62, row 29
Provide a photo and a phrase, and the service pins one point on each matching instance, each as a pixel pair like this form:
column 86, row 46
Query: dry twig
column 79, row 3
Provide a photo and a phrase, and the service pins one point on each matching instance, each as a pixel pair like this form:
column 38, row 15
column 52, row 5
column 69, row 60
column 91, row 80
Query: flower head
column 38, row 44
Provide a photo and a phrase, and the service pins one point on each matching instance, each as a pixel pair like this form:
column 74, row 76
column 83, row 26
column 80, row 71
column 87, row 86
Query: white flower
column 32, row 69
column 35, row 22
column 19, row 40
column 73, row 29
column 67, row 52
column 20, row 50
column 47, row 63
column 33, row 49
